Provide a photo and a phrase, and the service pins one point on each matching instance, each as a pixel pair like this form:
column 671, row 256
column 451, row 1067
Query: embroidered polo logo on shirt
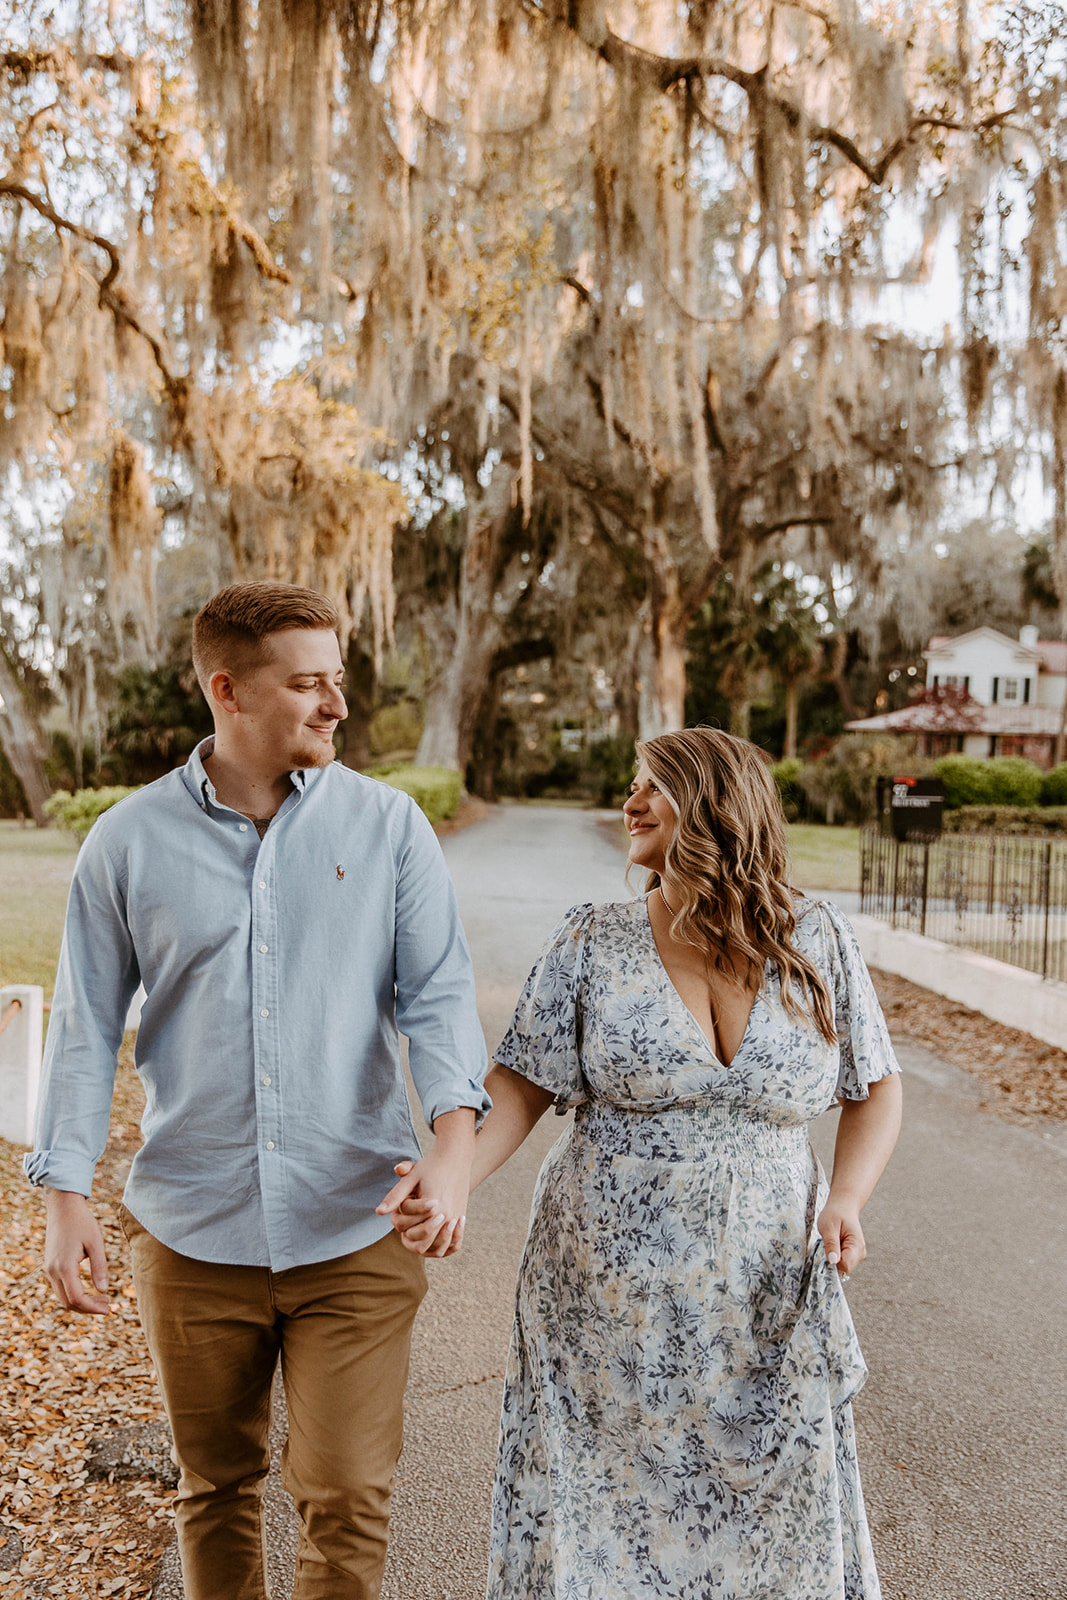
column 340, row 873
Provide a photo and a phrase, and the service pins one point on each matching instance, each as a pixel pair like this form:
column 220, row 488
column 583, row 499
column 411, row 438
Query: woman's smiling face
column 650, row 819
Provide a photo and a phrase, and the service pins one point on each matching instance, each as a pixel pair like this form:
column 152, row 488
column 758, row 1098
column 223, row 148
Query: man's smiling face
column 291, row 700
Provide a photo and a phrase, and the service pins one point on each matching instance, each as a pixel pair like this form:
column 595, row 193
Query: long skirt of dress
column 676, row 1418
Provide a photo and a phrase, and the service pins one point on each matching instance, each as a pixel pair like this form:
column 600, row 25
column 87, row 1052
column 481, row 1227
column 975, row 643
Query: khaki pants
column 342, row 1330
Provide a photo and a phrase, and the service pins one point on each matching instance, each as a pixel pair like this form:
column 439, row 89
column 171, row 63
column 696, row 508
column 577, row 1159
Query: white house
column 987, row 695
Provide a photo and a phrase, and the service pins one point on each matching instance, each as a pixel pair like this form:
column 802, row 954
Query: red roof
column 927, row 717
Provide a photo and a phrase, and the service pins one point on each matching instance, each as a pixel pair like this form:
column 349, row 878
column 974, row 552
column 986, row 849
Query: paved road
column 961, row 1307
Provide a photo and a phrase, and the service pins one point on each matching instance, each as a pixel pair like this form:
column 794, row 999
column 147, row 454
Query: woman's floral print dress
column 676, row 1417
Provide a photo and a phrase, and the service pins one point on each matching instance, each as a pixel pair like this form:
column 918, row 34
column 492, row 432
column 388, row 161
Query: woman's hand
column 842, row 1236
column 419, row 1222
column 866, row 1133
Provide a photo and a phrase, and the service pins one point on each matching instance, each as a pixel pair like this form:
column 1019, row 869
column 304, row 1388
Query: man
column 286, row 917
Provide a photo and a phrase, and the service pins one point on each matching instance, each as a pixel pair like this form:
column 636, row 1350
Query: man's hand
column 72, row 1236
column 439, row 1185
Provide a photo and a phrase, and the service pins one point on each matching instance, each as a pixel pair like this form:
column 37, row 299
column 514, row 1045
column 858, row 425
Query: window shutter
column 966, row 685
column 1026, row 691
column 996, row 690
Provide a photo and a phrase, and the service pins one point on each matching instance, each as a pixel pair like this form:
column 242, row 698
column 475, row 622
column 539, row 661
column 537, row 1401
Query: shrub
column 1001, row 781
column 786, row 775
column 76, row 813
column 435, row 790
column 1054, row 786
column 1014, row 781
column 611, row 767
column 965, row 780
column 841, row 785
column 1007, row 819
column 395, row 727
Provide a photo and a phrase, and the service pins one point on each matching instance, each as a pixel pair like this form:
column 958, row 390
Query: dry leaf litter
column 78, row 1408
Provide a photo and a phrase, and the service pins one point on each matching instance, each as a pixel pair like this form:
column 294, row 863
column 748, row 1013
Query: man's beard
column 314, row 752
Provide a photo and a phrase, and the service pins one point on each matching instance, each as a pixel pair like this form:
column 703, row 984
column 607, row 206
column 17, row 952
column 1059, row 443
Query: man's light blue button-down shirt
column 277, row 975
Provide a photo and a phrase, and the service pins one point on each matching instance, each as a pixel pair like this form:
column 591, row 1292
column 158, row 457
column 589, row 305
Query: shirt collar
column 200, row 786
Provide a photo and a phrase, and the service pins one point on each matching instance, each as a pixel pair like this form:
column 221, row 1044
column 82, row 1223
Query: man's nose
column 336, row 704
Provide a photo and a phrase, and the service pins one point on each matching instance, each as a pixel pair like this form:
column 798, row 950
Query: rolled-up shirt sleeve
column 436, row 1005
column 95, row 982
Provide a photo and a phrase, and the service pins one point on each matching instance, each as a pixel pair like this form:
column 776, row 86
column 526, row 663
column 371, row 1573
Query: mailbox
column 910, row 808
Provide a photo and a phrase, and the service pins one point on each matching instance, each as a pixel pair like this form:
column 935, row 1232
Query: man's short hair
column 230, row 632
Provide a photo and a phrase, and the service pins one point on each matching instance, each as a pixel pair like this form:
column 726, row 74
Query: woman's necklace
column 667, row 905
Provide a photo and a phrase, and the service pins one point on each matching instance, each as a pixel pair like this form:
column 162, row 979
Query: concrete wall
column 1005, row 993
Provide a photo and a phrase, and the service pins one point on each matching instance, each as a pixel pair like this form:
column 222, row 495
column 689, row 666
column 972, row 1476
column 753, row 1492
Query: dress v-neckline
column 726, row 1065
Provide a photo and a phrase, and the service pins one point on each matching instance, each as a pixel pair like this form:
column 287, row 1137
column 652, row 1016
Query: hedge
column 984, row 781
column 435, row 790
column 1054, row 786
column 1006, row 819
column 76, row 813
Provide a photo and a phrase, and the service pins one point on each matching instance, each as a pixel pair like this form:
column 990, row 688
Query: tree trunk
column 464, row 651
column 485, row 752
column 23, row 743
column 361, row 681
column 664, row 621
column 792, row 710
column 836, row 674
column 741, row 717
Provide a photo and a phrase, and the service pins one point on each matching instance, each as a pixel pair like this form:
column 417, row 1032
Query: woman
column 676, row 1416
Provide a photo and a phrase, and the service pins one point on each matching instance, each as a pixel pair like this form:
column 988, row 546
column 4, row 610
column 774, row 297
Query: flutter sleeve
column 544, row 1041
column 866, row 1050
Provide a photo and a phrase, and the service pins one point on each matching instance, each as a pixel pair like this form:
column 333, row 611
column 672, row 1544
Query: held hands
column 428, row 1206
column 73, row 1235
column 422, row 1224
column 842, row 1236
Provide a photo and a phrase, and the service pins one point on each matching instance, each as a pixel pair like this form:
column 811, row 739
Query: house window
column 1009, row 691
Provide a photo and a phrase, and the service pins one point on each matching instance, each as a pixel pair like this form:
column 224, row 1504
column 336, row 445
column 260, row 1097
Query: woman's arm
column 866, row 1135
column 518, row 1105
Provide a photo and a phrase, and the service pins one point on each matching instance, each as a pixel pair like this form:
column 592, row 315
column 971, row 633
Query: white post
column 21, row 1025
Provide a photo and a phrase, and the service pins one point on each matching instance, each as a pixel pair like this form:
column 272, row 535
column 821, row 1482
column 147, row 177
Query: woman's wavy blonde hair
column 728, row 863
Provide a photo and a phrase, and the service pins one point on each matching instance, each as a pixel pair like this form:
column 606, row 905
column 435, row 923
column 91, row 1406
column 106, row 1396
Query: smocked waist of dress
column 690, row 1131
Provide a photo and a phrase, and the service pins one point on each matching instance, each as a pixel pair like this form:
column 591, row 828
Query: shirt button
column 266, row 1083
column 242, row 827
column 262, row 885
column 264, row 1012
column 270, row 1144
column 263, row 949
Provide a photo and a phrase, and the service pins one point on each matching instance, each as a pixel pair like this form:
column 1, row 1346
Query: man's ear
column 222, row 692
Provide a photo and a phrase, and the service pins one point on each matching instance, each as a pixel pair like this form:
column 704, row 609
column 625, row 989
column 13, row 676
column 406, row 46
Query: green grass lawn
column 824, row 858
column 35, row 869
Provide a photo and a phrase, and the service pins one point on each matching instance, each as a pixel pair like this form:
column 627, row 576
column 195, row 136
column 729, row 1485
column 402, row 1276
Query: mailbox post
column 910, row 809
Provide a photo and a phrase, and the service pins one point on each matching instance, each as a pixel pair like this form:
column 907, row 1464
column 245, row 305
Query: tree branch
column 586, row 19
column 108, row 296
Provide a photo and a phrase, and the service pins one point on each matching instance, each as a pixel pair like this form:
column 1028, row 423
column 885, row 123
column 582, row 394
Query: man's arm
column 436, row 1008
column 95, row 983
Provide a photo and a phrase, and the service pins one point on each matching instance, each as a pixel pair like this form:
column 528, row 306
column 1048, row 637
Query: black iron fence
column 1004, row 896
